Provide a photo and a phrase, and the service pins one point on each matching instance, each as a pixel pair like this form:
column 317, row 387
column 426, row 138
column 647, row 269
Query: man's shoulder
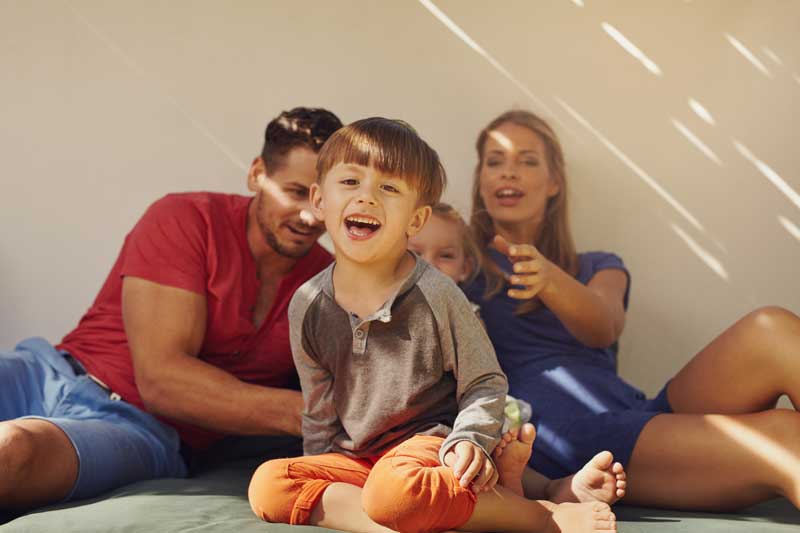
column 202, row 200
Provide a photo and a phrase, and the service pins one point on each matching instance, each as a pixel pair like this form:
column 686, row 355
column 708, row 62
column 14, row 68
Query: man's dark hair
column 309, row 127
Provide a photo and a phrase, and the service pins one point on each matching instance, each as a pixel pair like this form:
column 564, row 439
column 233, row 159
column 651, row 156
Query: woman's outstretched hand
column 532, row 274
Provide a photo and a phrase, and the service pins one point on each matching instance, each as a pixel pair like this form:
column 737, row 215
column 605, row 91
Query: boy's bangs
column 390, row 147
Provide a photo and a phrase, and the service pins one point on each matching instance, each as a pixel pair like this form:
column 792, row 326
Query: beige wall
column 108, row 105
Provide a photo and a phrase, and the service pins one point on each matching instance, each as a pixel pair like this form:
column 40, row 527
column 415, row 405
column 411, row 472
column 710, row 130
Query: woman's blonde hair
column 472, row 255
column 555, row 241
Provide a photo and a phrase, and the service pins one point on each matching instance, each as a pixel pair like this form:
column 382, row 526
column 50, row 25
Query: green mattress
column 215, row 499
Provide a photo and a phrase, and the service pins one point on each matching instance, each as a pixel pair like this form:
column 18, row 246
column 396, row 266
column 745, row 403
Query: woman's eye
column 492, row 163
column 531, row 162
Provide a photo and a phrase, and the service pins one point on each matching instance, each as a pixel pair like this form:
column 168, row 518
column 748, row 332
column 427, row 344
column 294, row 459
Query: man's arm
column 165, row 328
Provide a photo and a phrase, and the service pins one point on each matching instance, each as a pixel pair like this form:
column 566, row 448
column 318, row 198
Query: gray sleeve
column 481, row 385
column 320, row 421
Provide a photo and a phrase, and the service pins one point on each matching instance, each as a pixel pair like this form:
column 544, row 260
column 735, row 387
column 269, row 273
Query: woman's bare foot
column 600, row 480
column 511, row 456
column 582, row 518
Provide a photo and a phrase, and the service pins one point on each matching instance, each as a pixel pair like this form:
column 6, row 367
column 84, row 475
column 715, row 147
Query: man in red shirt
column 187, row 340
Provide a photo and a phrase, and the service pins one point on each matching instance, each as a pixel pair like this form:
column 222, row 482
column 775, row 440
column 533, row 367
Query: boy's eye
column 349, row 181
column 390, row 188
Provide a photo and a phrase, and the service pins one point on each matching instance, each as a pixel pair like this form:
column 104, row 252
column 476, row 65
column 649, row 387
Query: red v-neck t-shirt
column 197, row 242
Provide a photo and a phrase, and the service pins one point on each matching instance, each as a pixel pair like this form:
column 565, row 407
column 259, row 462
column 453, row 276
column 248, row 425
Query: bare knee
column 773, row 320
column 267, row 492
column 17, row 455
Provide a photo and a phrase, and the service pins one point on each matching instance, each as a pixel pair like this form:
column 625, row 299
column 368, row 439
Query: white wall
column 105, row 106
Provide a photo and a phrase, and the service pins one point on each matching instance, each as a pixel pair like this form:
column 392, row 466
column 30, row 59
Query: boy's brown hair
column 391, row 147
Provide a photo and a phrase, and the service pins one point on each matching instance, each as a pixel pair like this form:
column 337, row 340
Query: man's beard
column 272, row 241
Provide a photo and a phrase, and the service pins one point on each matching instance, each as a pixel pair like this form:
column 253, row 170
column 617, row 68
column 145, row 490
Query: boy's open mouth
column 361, row 227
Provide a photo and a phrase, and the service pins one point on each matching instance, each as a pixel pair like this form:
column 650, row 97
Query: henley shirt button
column 359, row 333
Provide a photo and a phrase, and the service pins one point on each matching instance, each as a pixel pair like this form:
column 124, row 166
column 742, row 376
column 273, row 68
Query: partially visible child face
column 369, row 215
column 440, row 243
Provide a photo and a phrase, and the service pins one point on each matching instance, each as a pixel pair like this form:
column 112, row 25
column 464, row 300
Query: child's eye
column 447, row 255
column 531, row 162
column 298, row 193
column 390, row 188
column 349, row 181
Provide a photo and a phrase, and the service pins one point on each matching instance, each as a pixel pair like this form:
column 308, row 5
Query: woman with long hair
column 712, row 439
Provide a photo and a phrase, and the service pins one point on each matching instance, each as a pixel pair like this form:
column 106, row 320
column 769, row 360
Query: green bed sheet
column 216, row 500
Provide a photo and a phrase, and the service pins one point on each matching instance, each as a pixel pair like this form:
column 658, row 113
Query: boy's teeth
column 362, row 220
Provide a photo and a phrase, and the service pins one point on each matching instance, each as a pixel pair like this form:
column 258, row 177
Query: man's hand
column 471, row 466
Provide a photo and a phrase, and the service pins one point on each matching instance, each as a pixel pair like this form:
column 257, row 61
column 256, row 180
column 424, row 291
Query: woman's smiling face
column 515, row 181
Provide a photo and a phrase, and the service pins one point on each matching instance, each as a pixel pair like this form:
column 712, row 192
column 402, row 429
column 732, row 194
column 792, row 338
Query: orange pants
column 406, row 490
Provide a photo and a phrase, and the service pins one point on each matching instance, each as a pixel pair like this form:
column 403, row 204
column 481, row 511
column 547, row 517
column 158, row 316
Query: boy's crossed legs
column 406, row 490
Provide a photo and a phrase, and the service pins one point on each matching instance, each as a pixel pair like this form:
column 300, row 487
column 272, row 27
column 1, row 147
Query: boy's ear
column 315, row 199
column 418, row 220
column 257, row 169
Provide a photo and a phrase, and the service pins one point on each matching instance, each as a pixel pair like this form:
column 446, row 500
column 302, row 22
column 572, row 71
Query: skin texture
column 734, row 448
column 165, row 328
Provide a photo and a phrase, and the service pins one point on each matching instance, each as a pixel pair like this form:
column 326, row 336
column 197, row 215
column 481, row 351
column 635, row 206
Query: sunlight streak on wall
column 772, row 55
column 644, row 176
column 701, row 111
column 770, row 174
column 708, row 152
column 712, row 262
column 790, row 226
column 198, row 125
column 631, row 48
column 742, row 49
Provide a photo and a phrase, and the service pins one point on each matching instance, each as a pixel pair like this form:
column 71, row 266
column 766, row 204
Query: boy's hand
column 471, row 466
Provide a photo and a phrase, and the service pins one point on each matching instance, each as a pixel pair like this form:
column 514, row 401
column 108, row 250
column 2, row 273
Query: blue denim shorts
column 116, row 442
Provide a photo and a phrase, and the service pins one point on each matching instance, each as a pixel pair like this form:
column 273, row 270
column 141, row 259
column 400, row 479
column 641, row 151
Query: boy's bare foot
column 511, row 456
column 600, row 480
column 582, row 518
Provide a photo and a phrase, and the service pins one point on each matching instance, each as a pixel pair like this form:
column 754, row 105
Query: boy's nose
column 366, row 199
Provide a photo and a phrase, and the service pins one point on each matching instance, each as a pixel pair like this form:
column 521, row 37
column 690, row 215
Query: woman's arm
column 593, row 313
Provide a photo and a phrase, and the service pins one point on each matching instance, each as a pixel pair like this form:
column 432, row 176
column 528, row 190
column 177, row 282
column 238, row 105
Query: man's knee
column 18, row 450
column 270, row 494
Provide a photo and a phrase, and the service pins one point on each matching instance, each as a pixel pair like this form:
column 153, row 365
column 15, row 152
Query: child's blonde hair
column 472, row 254
column 391, row 147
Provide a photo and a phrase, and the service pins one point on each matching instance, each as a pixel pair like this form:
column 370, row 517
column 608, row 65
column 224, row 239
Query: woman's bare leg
column 716, row 462
column 744, row 370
